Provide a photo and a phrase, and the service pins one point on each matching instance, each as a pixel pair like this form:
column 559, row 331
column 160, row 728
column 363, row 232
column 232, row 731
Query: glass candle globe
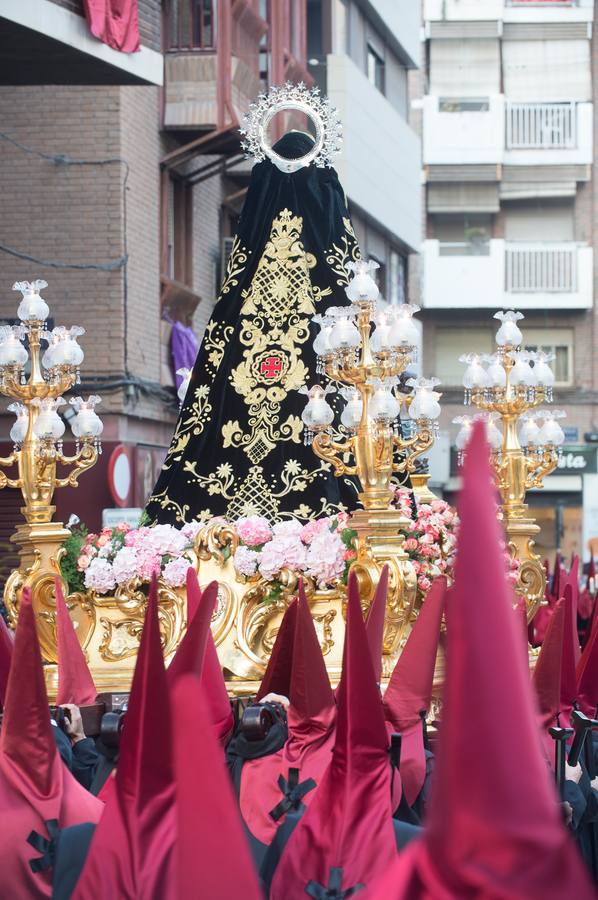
column 464, row 433
column 18, row 432
column 344, row 334
column 381, row 338
column 322, row 346
column 362, row 286
column 353, row 411
column 543, row 372
column 509, row 333
column 383, row 405
column 493, row 435
column 404, row 331
column 318, row 413
column 551, row 432
column 12, row 351
column 495, row 373
column 529, row 432
column 32, row 307
column 49, row 426
column 184, row 385
column 87, row 423
column 475, row 374
column 522, row 373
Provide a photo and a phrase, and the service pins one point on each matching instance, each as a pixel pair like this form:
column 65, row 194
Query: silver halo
column 297, row 97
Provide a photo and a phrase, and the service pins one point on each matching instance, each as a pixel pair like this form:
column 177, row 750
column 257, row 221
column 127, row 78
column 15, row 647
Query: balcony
column 548, row 133
column 376, row 136
column 466, row 131
column 515, row 275
column 463, row 131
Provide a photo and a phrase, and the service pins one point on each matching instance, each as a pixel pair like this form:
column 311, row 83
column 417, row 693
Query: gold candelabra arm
column 330, row 451
column 412, row 447
column 83, row 460
column 538, row 467
column 6, row 462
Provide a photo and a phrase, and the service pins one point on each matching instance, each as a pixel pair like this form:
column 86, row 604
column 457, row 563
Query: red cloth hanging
column 114, row 22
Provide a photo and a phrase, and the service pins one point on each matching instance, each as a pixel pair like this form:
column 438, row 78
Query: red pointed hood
column 547, row 677
column 133, row 844
column 6, row 647
column 409, row 690
column 571, row 656
column 75, row 684
column 586, row 597
column 376, row 619
column 277, row 677
column 35, row 786
column 494, row 828
column 311, row 721
column 587, row 675
column 348, row 824
column 196, row 654
column 212, row 854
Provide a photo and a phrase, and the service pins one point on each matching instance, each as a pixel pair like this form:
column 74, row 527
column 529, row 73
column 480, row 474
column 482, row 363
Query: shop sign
column 577, row 461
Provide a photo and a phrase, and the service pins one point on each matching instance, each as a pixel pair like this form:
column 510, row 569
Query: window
column 463, row 234
column 191, row 24
column 375, row 69
column 397, row 278
column 179, row 260
column 379, row 273
column 558, row 341
column 451, row 343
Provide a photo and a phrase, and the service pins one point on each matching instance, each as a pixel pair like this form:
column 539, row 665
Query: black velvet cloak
column 238, row 446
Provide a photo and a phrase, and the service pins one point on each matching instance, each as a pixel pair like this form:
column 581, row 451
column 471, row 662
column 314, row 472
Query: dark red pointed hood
column 277, row 677
column 571, row 656
column 494, row 828
column 375, row 622
column 196, row 654
column 213, row 858
column 133, row 844
column 587, row 675
column 348, row 824
column 409, row 691
column 35, row 786
column 586, row 597
column 547, row 677
column 6, row 648
column 75, row 684
column 311, row 722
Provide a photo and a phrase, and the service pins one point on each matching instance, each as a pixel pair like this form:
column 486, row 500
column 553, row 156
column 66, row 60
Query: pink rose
column 417, row 566
column 103, row 539
column 83, row 562
column 411, row 544
column 350, row 554
column 424, row 583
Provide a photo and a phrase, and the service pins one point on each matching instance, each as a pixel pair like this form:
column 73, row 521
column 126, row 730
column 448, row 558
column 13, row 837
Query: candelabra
column 36, row 379
column 368, row 368
column 508, row 387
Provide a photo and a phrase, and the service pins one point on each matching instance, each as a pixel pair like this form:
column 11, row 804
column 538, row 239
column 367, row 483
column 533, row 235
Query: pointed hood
column 586, row 597
column 75, row 684
column 133, row 844
column 494, row 829
column 277, row 677
column 311, row 720
column 348, row 824
column 571, row 655
column 557, row 577
column 375, row 623
column 587, row 675
column 196, row 654
column 547, row 677
column 35, row 786
column 6, row 648
column 409, row 691
column 214, row 860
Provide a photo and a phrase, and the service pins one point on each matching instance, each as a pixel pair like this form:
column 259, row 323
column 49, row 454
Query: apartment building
column 360, row 53
column 508, row 132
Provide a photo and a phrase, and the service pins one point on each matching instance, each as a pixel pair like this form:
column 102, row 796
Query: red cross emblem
column 271, row 367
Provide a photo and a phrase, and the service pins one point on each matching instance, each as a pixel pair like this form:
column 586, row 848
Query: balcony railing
column 546, row 126
column 541, row 268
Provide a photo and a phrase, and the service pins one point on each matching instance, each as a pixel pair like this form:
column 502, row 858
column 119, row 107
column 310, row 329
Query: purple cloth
column 183, row 347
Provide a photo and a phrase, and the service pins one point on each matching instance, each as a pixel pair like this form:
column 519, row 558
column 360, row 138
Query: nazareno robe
column 238, row 446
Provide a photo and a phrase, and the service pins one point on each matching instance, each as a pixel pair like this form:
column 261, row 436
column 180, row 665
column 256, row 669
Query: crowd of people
column 307, row 791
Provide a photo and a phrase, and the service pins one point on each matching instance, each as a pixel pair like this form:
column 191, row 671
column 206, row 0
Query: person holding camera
column 78, row 752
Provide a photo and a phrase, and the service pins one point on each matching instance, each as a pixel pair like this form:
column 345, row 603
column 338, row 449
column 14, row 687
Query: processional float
column 365, row 350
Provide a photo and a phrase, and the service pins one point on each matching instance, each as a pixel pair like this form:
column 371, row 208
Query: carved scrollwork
column 217, row 540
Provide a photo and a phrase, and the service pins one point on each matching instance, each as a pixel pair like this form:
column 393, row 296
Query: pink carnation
column 253, row 530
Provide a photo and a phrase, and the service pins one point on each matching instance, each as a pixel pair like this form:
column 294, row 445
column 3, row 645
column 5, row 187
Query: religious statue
column 238, row 447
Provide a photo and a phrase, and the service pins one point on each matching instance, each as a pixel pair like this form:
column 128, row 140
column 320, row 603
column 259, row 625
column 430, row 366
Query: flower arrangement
column 431, row 541
column 117, row 555
column 322, row 550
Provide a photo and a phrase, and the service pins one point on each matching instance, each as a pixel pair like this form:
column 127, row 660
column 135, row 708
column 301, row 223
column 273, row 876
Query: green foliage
column 68, row 564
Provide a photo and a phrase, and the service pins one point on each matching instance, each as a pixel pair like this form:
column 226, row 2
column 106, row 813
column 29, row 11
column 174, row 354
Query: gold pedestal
column 419, row 484
column 40, row 550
